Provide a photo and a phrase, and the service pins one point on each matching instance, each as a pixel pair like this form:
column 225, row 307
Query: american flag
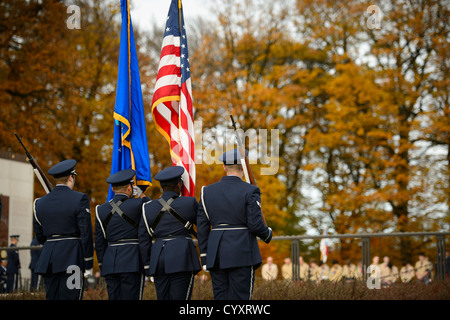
column 172, row 100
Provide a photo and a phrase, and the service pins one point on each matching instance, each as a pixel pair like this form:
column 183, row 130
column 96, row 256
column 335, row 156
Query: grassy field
column 280, row 290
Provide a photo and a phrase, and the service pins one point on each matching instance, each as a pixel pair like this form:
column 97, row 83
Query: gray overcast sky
column 145, row 12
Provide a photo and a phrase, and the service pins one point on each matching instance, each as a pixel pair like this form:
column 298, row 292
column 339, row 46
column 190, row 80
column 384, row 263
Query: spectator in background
column 313, row 271
column 406, row 272
column 385, row 262
column 423, row 269
column 323, row 271
column 348, row 272
column 390, row 275
column 359, row 272
column 304, row 269
column 13, row 266
column 269, row 270
column 375, row 264
column 335, row 272
column 286, row 269
column 384, row 269
column 375, row 261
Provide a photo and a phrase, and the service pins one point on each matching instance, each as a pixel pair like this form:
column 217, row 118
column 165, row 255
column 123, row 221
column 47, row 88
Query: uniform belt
column 57, row 237
column 122, row 242
column 170, row 237
column 224, row 226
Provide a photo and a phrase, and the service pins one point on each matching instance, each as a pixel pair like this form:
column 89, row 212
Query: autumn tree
column 353, row 106
column 377, row 168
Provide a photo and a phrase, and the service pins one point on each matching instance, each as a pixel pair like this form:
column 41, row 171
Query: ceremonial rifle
column 248, row 172
column 37, row 170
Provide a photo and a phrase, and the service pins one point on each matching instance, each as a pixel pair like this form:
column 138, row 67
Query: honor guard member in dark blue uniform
column 172, row 260
column 116, row 239
column 13, row 266
column 62, row 223
column 230, row 250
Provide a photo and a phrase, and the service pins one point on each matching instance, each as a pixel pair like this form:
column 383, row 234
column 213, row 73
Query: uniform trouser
column 58, row 286
column 233, row 283
column 12, row 282
column 125, row 286
column 34, row 285
column 174, row 286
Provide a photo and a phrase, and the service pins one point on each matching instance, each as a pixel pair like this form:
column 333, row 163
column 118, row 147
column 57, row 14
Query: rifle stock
column 246, row 164
column 37, row 169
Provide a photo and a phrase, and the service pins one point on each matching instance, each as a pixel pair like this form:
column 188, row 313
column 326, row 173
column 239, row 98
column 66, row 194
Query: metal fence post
column 365, row 256
column 440, row 267
column 295, row 254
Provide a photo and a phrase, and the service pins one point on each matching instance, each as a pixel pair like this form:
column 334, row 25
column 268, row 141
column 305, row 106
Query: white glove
column 137, row 191
column 88, row 273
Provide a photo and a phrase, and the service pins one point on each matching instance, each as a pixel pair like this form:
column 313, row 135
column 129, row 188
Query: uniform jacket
column 335, row 273
column 180, row 254
column 304, row 271
column 233, row 208
column 62, row 223
column 269, row 272
column 407, row 273
column 423, row 268
column 13, row 265
column 117, row 245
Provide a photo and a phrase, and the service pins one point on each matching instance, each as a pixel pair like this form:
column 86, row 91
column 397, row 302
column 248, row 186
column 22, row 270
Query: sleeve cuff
column 269, row 236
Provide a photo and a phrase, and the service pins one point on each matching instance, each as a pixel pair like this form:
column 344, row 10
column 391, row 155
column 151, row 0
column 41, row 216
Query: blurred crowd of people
column 421, row 271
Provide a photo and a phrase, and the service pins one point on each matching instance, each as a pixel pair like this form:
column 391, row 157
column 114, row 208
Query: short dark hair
column 170, row 185
column 120, row 188
column 234, row 167
column 62, row 180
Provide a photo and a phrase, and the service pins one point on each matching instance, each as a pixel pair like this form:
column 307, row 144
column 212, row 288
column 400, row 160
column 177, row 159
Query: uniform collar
column 61, row 186
column 168, row 194
column 231, row 178
column 120, row 196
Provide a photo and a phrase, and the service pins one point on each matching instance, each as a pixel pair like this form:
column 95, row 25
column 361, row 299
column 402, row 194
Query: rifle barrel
column 232, row 122
column 46, row 184
column 26, row 151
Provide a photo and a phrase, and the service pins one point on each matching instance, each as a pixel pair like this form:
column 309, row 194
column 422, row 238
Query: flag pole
column 179, row 14
column 179, row 105
column 133, row 165
column 129, row 55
